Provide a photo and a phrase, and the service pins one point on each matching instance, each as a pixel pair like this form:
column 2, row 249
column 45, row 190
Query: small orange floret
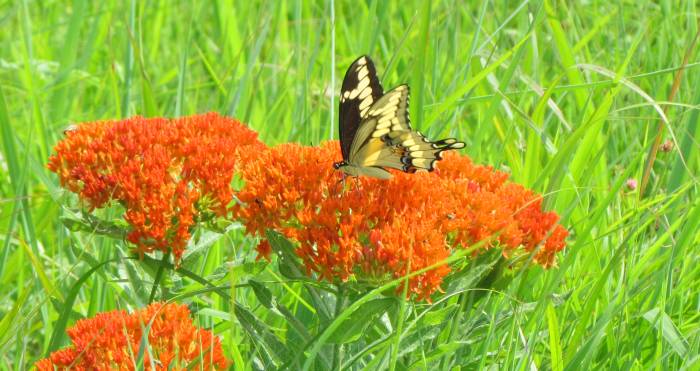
column 379, row 229
column 166, row 173
column 111, row 341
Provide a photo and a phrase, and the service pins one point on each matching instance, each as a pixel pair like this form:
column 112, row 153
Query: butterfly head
column 339, row 164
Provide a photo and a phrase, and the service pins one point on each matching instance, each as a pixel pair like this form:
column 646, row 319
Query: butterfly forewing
column 361, row 88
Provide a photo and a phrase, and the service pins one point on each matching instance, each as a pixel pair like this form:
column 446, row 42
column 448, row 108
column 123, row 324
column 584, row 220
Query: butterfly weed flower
column 375, row 230
column 166, row 173
column 112, row 340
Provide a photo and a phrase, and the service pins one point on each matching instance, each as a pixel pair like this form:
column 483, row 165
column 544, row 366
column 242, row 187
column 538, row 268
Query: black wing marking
column 360, row 89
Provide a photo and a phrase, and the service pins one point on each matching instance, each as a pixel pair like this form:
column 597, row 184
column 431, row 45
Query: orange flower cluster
column 377, row 229
column 170, row 174
column 112, row 340
column 167, row 174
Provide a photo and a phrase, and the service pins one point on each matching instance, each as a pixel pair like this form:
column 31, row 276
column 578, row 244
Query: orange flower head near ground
column 383, row 229
column 112, row 340
column 166, row 173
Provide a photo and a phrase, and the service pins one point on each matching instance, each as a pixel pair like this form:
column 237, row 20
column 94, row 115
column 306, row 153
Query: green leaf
column 471, row 274
column 450, row 101
column 262, row 293
column 290, row 267
column 352, row 328
column 237, row 269
column 420, row 65
column 662, row 322
column 568, row 59
column 554, row 339
column 438, row 316
column 439, row 351
column 288, row 263
column 273, row 351
column 134, row 276
column 206, row 238
column 260, row 333
column 270, row 302
column 78, row 221
column 59, row 329
column 40, row 272
column 11, row 318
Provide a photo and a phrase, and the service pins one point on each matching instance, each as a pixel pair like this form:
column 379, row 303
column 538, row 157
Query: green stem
column 401, row 318
column 159, row 276
column 339, row 302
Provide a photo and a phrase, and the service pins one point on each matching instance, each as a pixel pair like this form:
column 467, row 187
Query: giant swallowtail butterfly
column 375, row 130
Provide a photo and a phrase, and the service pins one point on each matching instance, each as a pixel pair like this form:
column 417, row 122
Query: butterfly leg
column 357, row 184
column 340, row 182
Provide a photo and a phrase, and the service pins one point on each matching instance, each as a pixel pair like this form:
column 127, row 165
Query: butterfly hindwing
column 391, row 111
column 361, row 88
column 408, row 151
column 385, row 137
column 417, row 152
column 388, row 113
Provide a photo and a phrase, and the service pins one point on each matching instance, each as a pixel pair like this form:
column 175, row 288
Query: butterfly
column 375, row 130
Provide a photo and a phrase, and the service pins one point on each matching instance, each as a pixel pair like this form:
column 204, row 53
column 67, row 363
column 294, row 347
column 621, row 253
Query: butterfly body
column 375, row 128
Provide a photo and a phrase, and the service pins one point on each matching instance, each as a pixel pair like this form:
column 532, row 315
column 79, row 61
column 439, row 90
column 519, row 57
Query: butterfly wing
column 389, row 113
column 385, row 138
column 361, row 88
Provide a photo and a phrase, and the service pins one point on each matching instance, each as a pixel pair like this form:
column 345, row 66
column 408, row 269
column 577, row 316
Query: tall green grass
column 565, row 96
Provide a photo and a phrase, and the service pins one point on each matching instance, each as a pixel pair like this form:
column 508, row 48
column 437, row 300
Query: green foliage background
column 565, row 96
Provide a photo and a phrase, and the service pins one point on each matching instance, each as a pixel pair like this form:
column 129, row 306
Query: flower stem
column 339, row 303
column 159, row 276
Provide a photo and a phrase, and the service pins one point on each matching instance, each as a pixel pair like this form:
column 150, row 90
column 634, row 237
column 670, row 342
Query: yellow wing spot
column 409, row 142
column 382, row 127
column 424, row 154
column 388, row 110
column 379, row 111
column 363, row 112
column 421, row 147
column 384, row 121
column 365, row 93
column 360, row 87
column 365, row 103
column 362, row 73
column 422, row 162
column 379, row 133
